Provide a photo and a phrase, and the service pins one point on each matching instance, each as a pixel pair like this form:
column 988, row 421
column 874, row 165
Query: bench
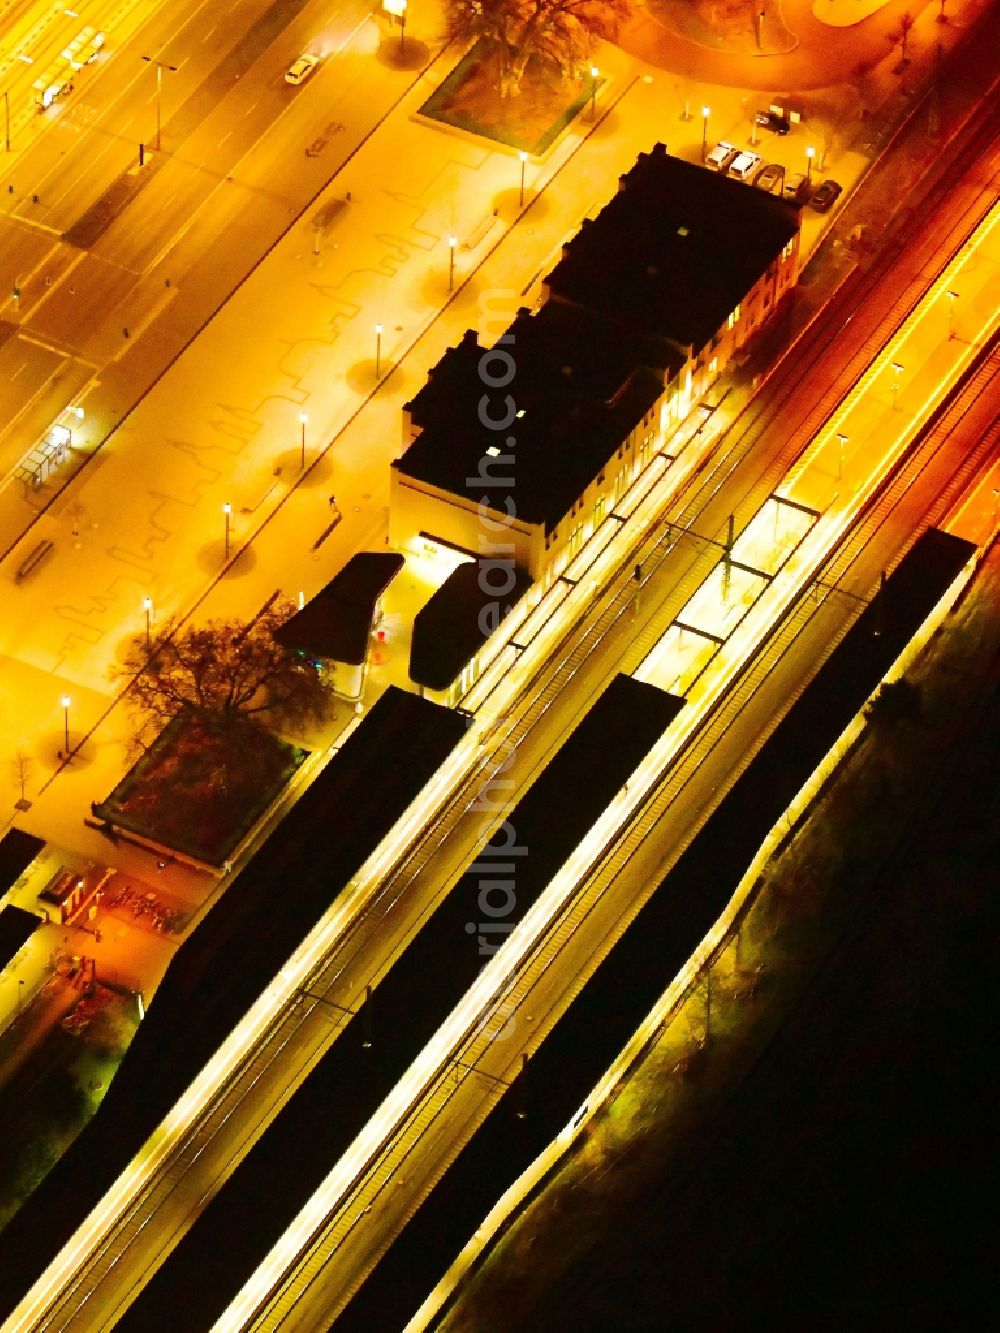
column 33, row 559
column 480, row 232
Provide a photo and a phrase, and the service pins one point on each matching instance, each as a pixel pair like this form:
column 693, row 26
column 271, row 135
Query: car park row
column 749, row 167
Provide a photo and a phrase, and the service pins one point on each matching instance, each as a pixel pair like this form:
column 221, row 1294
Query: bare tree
column 554, row 32
column 906, row 22
column 862, row 74
column 224, row 675
column 21, row 768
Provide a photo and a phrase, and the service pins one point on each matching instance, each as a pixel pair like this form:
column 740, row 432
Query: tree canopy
column 224, row 674
column 556, row 32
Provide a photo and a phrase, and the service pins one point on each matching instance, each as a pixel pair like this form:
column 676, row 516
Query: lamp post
column 6, row 119
column 524, row 159
column 705, row 113
column 402, row 26
column 227, row 510
column 594, row 71
column 452, row 242
column 996, row 501
column 66, row 701
column 841, row 441
column 378, row 351
column 147, row 606
column 160, row 67
column 952, row 298
column 810, row 154
column 897, row 370
column 303, row 418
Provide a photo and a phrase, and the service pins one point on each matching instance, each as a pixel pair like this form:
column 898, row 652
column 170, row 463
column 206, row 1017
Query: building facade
column 519, row 451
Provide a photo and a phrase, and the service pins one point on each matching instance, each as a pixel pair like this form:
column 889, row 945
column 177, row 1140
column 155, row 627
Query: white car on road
column 301, row 69
column 744, row 165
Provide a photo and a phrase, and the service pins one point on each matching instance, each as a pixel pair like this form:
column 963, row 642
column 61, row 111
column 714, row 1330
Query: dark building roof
column 580, row 385
column 17, row 851
column 279, row 895
column 459, row 618
column 16, row 926
column 344, row 1087
column 337, row 622
column 675, row 251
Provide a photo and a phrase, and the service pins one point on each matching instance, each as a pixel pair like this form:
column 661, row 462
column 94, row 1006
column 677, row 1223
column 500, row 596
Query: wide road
column 100, row 251
column 747, row 468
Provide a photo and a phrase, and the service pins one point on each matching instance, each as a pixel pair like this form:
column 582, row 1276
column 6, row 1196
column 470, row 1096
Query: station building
column 516, row 453
column 686, row 255
column 515, row 447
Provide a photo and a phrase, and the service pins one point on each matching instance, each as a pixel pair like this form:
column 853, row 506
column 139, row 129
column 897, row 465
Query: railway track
column 664, row 521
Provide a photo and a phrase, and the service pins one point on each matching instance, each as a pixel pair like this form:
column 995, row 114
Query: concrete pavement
column 218, row 425
column 823, row 54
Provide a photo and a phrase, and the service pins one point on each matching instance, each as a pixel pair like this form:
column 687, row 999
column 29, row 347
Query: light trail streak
column 261, row 1297
column 267, row 1011
column 673, row 997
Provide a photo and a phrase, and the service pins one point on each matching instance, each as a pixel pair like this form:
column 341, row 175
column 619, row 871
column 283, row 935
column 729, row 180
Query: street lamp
column 524, row 158
column 810, row 154
column 65, row 701
column 6, row 118
column 378, row 351
column 227, row 509
column 160, row 67
column 303, row 418
column 452, row 242
column 147, row 606
column 952, row 298
column 594, row 71
column 841, row 440
column 705, row 113
column 402, row 25
column 897, row 370
column 996, row 501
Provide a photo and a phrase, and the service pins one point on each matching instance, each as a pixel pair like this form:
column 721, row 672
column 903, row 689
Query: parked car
column 744, row 165
column 301, row 69
column 771, row 120
column 826, row 196
column 720, row 156
column 769, row 176
column 795, row 187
